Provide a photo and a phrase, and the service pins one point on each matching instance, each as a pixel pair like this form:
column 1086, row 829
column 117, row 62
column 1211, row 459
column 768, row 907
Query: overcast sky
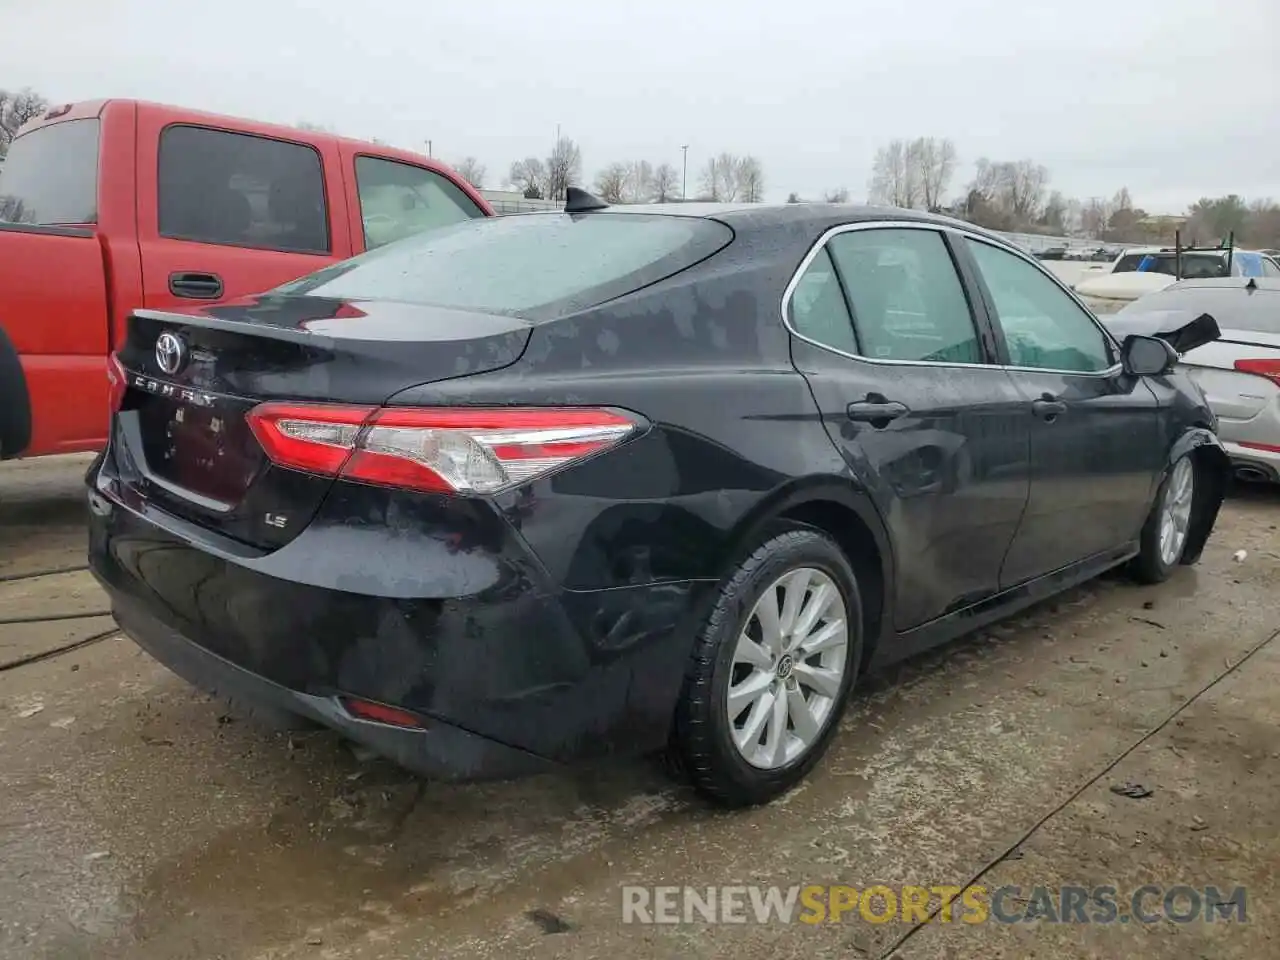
column 1174, row 98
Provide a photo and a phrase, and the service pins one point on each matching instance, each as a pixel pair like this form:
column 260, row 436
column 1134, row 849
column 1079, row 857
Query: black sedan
column 535, row 489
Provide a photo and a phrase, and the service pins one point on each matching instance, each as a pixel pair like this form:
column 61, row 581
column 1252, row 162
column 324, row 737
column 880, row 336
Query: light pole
column 684, row 176
column 429, row 150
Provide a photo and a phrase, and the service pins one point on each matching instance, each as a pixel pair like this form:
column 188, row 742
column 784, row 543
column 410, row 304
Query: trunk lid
column 181, row 440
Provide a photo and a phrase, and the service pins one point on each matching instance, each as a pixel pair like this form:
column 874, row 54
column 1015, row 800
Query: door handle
column 196, row 286
column 1048, row 409
column 876, row 410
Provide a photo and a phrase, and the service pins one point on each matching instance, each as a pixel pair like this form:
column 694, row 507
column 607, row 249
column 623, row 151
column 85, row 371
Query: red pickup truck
column 110, row 205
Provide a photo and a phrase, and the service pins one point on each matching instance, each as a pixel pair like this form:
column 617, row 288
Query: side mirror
column 1147, row 356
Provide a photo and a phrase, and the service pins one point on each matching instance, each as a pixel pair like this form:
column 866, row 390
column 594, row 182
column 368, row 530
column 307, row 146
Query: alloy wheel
column 788, row 668
column 1175, row 517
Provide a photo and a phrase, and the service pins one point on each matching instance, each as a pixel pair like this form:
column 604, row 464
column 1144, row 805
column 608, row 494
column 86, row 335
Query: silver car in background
column 1239, row 372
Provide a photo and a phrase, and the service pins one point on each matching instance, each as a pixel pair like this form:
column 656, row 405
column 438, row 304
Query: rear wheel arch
column 15, row 401
column 848, row 516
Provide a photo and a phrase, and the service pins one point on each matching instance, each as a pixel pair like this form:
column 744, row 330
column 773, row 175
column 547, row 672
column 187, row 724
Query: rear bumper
column 440, row 751
column 1251, row 460
column 436, row 608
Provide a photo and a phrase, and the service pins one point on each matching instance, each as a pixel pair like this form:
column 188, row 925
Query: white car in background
column 1239, row 372
column 1143, row 270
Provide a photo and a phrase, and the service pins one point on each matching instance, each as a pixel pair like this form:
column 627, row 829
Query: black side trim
column 50, row 231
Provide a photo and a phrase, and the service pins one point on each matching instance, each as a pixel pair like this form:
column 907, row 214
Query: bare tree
column 638, row 187
column 749, row 174
column 720, row 178
column 710, row 180
column 1094, row 217
column 314, row 127
column 530, row 177
column 564, row 168
column 1073, row 217
column 895, row 176
column 934, row 163
column 1054, row 216
column 838, row 195
column 472, row 171
column 16, row 108
column 986, row 180
column 982, row 203
column 666, row 183
column 1023, row 186
column 611, row 183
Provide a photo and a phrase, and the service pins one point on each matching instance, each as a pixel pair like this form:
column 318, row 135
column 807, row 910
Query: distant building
column 1162, row 224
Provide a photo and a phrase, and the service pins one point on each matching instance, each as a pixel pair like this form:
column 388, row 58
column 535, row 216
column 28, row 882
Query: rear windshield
column 534, row 266
column 1235, row 308
column 1195, row 266
column 50, row 175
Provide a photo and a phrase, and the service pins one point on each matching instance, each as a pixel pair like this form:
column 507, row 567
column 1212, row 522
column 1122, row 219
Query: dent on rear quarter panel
column 705, row 358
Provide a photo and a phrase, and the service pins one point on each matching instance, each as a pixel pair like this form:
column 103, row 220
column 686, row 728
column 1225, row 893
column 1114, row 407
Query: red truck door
column 53, row 293
column 223, row 212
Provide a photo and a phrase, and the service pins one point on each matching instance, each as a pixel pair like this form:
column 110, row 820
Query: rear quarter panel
column 733, row 426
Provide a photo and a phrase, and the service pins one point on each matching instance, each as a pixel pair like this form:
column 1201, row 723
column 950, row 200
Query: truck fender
column 15, row 403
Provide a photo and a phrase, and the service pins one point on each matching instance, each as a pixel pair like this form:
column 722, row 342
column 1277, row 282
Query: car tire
column 1170, row 516
column 791, row 738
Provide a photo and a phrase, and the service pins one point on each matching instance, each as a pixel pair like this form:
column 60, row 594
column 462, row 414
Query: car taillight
column 117, row 382
column 446, row 450
column 1261, row 368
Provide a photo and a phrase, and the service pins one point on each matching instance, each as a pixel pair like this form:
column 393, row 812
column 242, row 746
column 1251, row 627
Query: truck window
column 399, row 199
column 50, row 176
column 241, row 190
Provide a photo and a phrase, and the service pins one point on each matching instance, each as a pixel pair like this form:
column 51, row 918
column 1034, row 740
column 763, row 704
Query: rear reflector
column 1261, row 368
column 380, row 713
column 441, row 450
column 1268, row 447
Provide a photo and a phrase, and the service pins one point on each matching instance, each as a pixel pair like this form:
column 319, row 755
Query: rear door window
column 398, row 200
column 50, row 175
column 818, row 309
column 241, row 190
column 534, row 266
column 908, row 302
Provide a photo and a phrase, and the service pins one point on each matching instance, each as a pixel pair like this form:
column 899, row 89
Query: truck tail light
column 1261, row 368
column 434, row 449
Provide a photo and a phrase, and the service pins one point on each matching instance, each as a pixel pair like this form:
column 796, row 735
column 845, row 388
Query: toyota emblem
column 171, row 353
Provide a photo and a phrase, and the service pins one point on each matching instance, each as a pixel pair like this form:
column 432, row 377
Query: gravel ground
column 137, row 819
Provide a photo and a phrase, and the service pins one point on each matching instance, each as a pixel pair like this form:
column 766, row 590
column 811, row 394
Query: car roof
column 822, row 216
column 1271, row 284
